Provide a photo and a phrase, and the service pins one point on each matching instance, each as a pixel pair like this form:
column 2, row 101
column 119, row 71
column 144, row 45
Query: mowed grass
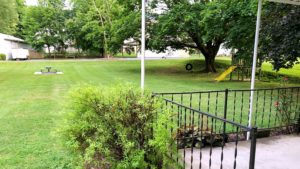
column 294, row 73
column 32, row 105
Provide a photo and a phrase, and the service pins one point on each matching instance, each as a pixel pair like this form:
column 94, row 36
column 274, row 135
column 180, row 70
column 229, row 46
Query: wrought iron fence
column 207, row 120
column 201, row 138
column 273, row 109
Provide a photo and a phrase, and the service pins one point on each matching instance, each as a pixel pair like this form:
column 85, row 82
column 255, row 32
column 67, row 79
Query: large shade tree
column 280, row 42
column 241, row 34
column 44, row 25
column 198, row 24
column 279, row 36
column 103, row 25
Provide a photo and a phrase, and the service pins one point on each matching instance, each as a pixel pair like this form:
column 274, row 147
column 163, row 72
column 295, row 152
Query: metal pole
column 225, row 111
column 253, row 148
column 254, row 63
column 143, row 45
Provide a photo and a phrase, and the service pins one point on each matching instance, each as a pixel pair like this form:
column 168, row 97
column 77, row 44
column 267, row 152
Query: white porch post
column 254, row 63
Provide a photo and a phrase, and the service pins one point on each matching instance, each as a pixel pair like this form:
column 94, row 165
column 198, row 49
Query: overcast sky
column 35, row 2
column 31, row 2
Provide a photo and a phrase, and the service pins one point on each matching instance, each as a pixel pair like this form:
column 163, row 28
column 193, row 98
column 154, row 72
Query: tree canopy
column 21, row 7
column 279, row 35
column 280, row 42
column 8, row 16
column 103, row 25
column 44, row 25
column 201, row 25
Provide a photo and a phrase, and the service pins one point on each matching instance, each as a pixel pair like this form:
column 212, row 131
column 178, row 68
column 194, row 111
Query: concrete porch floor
column 279, row 152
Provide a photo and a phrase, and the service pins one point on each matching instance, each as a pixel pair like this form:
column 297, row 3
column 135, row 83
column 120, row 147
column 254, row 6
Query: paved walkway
column 280, row 152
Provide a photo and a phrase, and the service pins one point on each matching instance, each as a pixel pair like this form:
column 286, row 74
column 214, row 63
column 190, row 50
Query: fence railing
column 207, row 120
column 201, row 138
column 274, row 108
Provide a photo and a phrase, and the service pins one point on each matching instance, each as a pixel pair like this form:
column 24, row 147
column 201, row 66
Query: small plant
column 118, row 128
column 2, row 56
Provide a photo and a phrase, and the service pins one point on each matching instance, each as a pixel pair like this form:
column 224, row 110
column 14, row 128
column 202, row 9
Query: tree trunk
column 102, row 52
column 210, row 51
column 49, row 51
column 210, row 64
column 105, row 54
column 210, row 55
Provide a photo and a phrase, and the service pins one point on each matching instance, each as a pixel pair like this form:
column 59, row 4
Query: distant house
column 8, row 43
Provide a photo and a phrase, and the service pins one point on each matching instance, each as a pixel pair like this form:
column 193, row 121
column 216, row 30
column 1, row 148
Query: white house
column 9, row 43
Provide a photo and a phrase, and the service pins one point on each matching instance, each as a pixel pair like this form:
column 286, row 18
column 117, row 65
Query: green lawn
column 125, row 55
column 32, row 105
column 295, row 73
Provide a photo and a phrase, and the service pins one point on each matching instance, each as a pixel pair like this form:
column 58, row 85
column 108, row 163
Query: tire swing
column 189, row 67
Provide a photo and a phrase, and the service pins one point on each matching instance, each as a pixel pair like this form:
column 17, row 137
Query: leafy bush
column 118, row 128
column 2, row 56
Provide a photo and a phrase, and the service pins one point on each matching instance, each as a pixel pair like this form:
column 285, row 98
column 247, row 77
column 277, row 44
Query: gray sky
column 35, row 2
column 31, row 2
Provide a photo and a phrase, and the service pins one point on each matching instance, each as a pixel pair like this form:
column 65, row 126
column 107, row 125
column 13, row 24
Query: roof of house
column 10, row 38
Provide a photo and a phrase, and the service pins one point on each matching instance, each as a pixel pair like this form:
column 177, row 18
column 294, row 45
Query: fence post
column 253, row 147
column 225, row 112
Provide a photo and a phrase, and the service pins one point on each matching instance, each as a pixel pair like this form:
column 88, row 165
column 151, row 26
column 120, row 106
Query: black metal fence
column 273, row 108
column 207, row 120
column 201, row 138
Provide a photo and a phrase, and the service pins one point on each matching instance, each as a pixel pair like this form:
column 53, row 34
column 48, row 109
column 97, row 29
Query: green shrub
column 285, row 114
column 2, row 56
column 118, row 128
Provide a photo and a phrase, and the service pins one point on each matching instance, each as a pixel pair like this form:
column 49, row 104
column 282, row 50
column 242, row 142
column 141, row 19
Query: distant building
column 8, row 43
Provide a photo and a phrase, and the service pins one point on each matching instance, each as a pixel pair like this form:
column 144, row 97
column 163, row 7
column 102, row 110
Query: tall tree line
column 88, row 25
column 103, row 25
column 205, row 25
